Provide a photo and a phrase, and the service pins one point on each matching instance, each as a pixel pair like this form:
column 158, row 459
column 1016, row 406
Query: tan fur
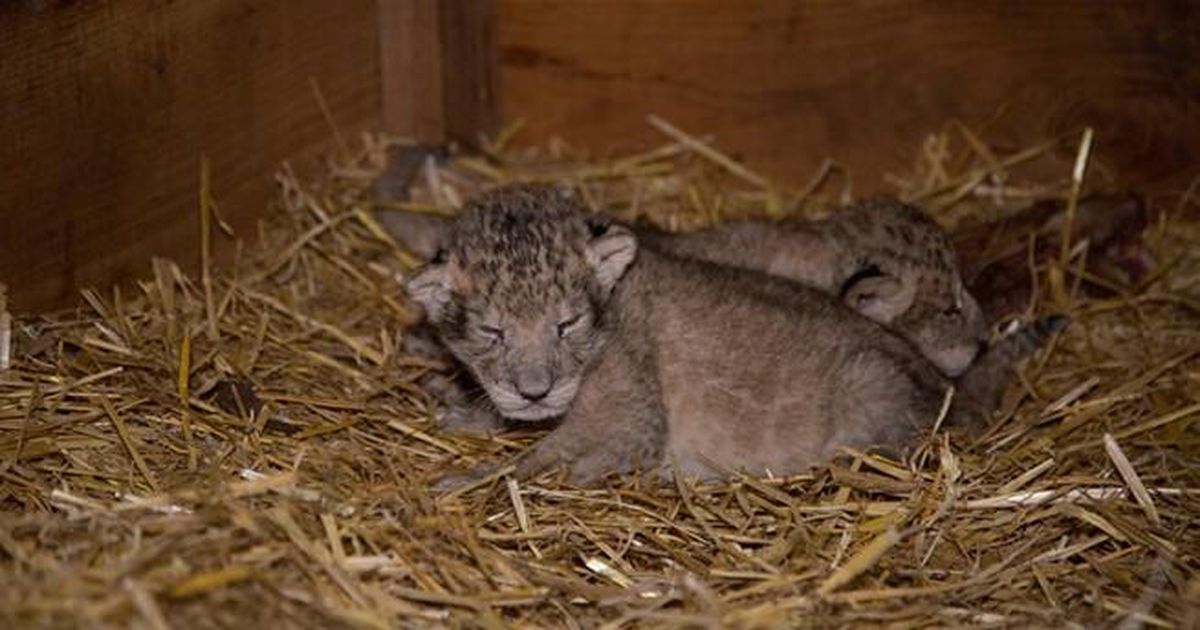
column 917, row 292
column 653, row 359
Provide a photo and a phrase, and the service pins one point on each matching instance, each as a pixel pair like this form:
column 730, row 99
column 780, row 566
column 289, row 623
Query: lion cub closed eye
column 652, row 359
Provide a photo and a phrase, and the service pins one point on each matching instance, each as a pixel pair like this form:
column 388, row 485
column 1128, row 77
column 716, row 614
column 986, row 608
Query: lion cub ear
column 431, row 285
column 881, row 298
column 421, row 233
column 610, row 250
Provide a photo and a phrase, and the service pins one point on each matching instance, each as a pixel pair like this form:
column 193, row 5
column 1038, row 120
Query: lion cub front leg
column 580, row 444
column 615, row 425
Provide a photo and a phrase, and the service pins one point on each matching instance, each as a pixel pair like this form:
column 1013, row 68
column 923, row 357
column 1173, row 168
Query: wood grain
column 785, row 83
column 410, row 42
column 439, row 68
column 470, row 69
column 106, row 108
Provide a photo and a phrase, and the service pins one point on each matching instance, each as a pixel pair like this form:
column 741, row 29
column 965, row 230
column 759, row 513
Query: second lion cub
column 885, row 259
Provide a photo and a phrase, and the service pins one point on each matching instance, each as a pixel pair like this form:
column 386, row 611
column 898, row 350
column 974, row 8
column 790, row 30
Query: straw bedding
column 251, row 446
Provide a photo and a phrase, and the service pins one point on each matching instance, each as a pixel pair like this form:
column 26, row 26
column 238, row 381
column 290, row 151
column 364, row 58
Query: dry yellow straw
column 206, row 248
column 860, row 562
column 185, row 366
column 320, row 509
column 127, row 440
column 1077, row 173
column 1131, row 477
column 5, row 330
column 703, row 149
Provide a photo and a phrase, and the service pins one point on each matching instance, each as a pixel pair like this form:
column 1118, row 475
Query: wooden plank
column 411, row 61
column 106, row 108
column 786, row 83
column 470, row 70
column 439, row 68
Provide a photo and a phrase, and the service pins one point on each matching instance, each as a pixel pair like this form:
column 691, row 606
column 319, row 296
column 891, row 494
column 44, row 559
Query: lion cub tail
column 978, row 390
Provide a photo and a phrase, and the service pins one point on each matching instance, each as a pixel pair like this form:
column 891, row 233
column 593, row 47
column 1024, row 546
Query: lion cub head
column 519, row 294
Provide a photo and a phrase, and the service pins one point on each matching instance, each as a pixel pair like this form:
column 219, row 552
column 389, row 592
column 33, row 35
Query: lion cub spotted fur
column 651, row 358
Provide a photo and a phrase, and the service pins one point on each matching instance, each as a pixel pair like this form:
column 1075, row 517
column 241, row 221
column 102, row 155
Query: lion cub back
column 883, row 258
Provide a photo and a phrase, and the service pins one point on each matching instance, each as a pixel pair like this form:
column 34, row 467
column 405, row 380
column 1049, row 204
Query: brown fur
column 653, row 359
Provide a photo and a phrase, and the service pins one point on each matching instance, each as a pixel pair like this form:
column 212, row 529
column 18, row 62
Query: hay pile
column 250, row 446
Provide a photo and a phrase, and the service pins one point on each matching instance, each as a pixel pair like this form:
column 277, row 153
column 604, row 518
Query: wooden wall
column 439, row 69
column 107, row 106
column 785, row 83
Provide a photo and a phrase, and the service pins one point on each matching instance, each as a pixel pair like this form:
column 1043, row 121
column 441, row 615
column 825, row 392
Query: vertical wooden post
column 411, row 64
column 470, row 75
column 439, row 65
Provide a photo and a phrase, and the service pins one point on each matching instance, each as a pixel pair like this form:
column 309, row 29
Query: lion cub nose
column 534, row 385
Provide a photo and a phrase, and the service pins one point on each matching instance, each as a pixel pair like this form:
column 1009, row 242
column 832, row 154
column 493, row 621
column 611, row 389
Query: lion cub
column 885, row 259
column 652, row 360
